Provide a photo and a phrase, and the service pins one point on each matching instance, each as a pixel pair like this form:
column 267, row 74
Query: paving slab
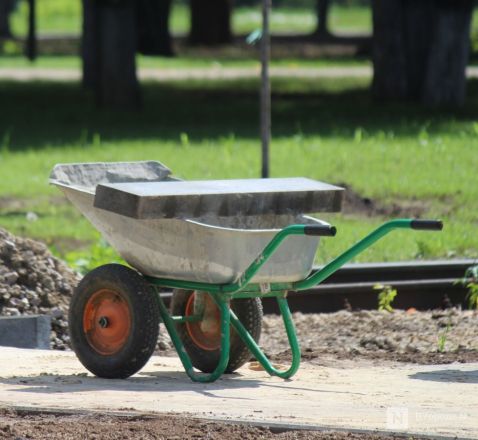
column 223, row 198
column 26, row 331
column 438, row 401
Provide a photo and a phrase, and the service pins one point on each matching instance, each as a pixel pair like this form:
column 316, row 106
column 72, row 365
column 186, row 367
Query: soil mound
column 356, row 204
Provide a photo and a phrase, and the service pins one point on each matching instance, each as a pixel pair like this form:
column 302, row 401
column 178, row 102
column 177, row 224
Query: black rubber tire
column 143, row 308
column 249, row 312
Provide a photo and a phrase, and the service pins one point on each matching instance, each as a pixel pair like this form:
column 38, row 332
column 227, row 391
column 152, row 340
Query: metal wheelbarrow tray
column 221, row 245
column 183, row 237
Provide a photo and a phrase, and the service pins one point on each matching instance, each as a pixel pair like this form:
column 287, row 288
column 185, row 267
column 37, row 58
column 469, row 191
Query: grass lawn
column 326, row 130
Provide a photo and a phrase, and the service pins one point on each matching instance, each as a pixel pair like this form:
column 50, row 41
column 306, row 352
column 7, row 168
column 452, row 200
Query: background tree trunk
column 118, row 39
column 323, row 8
column 109, row 52
column 389, row 55
column 445, row 80
column 210, row 22
column 421, row 50
column 153, row 27
column 89, row 47
column 6, row 8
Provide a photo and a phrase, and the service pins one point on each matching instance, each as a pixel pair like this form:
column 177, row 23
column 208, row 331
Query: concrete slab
column 438, row 401
column 32, row 331
column 223, row 198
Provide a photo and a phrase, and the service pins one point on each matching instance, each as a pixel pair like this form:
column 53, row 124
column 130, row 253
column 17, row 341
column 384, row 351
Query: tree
column 323, row 8
column 421, row 50
column 113, row 32
column 153, row 27
column 6, row 8
column 210, row 22
column 109, row 52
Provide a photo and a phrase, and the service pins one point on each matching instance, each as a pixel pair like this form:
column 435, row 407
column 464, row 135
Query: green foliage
column 9, row 47
column 443, row 338
column 470, row 281
column 386, row 296
column 96, row 255
column 424, row 250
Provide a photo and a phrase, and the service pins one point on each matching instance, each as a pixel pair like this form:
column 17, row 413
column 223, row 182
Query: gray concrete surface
column 440, row 400
column 25, row 331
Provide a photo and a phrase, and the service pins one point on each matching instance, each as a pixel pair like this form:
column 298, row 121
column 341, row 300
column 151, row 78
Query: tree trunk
column 389, row 61
column 109, row 52
column 89, row 46
column 210, row 22
column 118, row 39
column 445, row 80
column 323, row 8
column 6, row 7
column 421, row 50
column 153, row 27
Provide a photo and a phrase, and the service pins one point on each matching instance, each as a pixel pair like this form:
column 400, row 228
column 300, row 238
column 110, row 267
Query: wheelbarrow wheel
column 203, row 344
column 113, row 321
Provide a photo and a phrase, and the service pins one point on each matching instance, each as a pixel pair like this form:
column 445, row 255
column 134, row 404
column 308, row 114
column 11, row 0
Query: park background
column 199, row 114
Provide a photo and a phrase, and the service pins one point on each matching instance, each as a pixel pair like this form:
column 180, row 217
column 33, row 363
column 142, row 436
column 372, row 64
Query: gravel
column 33, row 281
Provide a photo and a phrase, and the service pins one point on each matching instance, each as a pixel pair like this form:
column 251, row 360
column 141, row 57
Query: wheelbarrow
column 220, row 246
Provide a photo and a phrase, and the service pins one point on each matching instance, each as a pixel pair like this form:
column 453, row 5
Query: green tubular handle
column 427, row 225
column 369, row 240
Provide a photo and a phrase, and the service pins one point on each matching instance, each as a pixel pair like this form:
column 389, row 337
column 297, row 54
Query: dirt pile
column 22, row 425
column 424, row 337
column 33, row 281
column 356, row 204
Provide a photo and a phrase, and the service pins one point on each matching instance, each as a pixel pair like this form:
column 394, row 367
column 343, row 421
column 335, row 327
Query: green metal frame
column 243, row 288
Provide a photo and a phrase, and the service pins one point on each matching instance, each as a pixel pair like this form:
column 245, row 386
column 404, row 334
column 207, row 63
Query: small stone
column 15, row 302
column 163, row 346
column 10, row 278
column 11, row 311
column 410, row 348
column 56, row 312
column 31, row 216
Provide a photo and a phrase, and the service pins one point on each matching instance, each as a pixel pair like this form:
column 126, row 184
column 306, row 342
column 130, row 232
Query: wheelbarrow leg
column 259, row 354
column 224, row 308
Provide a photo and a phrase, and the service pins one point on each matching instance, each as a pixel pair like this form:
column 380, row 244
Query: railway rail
column 423, row 285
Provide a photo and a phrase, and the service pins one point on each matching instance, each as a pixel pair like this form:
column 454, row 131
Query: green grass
column 325, row 130
column 53, row 16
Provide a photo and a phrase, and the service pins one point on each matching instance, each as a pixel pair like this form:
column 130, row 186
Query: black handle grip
column 321, row 230
column 427, row 225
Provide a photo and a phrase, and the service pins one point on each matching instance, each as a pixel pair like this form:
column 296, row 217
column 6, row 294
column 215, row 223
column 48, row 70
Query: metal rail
column 420, row 284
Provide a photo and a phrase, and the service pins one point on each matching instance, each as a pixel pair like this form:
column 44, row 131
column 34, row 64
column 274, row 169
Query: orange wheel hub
column 206, row 333
column 107, row 321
